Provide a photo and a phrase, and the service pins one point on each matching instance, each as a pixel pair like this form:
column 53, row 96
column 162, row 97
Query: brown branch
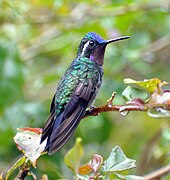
column 23, row 173
column 123, row 108
column 158, row 173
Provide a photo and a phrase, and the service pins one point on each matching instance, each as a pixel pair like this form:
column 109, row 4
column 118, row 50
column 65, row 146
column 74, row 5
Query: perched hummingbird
column 76, row 91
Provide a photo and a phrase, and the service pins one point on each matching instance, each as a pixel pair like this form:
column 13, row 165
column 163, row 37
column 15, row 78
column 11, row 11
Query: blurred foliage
column 39, row 39
column 115, row 165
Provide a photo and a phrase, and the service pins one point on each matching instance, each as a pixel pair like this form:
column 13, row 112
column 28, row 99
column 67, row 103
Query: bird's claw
column 90, row 111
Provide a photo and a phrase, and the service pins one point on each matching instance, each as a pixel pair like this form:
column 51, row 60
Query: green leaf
column 131, row 93
column 80, row 177
column 117, row 161
column 158, row 112
column 19, row 163
column 148, row 84
column 129, row 177
column 73, row 157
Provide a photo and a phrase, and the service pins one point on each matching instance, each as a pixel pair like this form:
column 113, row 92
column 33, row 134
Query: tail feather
column 53, row 122
column 59, row 136
column 48, row 126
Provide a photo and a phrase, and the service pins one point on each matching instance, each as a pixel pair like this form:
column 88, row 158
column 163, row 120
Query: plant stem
column 23, row 172
column 121, row 108
column 158, row 173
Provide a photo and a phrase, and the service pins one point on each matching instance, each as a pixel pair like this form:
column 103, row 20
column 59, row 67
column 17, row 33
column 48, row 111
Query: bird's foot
column 91, row 111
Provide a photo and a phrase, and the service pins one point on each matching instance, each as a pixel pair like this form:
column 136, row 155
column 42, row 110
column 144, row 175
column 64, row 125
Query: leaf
column 148, row 84
column 19, row 163
column 85, row 169
column 44, row 177
column 131, row 93
column 73, row 157
column 93, row 166
column 28, row 141
column 117, row 161
column 158, row 112
column 80, row 177
column 96, row 162
column 34, row 130
column 160, row 98
column 129, row 177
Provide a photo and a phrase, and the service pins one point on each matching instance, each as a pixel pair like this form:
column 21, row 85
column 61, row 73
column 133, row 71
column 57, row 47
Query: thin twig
column 158, row 173
column 121, row 108
column 23, row 173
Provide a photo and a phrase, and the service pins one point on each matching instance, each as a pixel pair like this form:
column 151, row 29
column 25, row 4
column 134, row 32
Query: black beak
column 116, row 39
column 99, row 51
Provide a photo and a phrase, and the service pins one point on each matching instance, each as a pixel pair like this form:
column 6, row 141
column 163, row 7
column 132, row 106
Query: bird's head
column 93, row 47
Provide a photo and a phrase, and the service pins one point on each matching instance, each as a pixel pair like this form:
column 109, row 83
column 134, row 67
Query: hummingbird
column 76, row 91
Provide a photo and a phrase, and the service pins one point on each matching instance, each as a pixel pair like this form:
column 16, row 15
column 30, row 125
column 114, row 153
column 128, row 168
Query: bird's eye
column 91, row 43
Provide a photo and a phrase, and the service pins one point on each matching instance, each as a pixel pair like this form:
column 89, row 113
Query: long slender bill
column 117, row 39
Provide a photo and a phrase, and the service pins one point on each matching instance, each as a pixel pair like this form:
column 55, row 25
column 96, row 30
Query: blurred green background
column 38, row 41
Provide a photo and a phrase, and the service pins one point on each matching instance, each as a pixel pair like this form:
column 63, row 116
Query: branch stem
column 127, row 107
column 158, row 173
column 23, row 173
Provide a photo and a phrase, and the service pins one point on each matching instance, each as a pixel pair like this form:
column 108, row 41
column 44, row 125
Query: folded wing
column 59, row 129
